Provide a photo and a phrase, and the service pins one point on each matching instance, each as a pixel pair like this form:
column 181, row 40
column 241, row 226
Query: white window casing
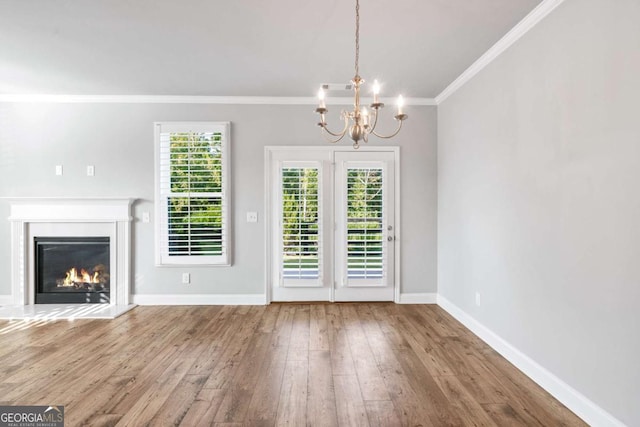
column 192, row 193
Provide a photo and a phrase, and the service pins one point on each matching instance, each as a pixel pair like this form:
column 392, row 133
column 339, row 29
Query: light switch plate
column 146, row 217
column 59, row 170
column 91, row 170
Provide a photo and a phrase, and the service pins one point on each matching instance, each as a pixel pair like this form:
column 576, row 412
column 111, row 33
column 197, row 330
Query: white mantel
column 55, row 217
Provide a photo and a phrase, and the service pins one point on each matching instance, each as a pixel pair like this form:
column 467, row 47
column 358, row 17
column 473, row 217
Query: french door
column 332, row 225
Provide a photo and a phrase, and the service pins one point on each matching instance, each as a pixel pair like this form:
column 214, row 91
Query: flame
column 73, row 278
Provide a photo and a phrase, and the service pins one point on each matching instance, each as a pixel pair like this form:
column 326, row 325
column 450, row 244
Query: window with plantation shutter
column 192, row 193
column 300, row 225
column 365, row 239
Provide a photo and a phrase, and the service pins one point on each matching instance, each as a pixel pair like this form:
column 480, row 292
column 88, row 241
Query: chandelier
column 358, row 122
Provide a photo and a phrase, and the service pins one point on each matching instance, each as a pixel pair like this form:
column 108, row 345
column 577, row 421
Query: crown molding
column 526, row 24
column 521, row 28
column 179, row 99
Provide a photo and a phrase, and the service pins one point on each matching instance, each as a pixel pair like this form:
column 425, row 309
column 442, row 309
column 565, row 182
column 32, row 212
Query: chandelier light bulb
column 376, row 91
column 400, row 104
column 365, row 116
column 321, row 98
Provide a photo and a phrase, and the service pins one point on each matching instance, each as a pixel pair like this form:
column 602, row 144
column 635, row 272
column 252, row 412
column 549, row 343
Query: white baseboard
column 246, row 299
column 6, row 300
column 418, row 298
column 199, row 299
column 571, row 398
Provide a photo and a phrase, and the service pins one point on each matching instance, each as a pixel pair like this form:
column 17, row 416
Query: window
column 365, row 240
column 192, row 197
column 300, row 224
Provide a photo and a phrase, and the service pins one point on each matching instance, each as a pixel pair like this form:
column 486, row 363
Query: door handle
column 390, row 239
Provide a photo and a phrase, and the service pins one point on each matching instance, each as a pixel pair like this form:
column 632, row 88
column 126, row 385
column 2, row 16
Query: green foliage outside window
column 300, row 218
column 195, row 207
column 364, row 219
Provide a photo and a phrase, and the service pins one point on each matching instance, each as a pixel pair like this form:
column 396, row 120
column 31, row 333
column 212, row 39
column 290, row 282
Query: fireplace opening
column 72, row 270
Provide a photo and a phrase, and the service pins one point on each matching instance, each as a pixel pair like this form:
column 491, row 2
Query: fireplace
column 54, row 239
column 72, row 270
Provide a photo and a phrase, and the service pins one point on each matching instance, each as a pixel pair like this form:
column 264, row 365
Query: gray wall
column 538, row 200
column 118, row 140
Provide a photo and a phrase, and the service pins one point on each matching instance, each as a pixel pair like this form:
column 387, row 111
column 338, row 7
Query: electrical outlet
column 146, row 217
column 91, row 170
column 252, row 216
column 186, row 278
column 59, row 170
column 478, row 299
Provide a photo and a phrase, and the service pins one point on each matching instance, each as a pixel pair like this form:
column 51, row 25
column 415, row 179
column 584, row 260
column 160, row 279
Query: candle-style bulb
column 365, row 116
column 376, row 91
column 321, row 98
column 400, row 104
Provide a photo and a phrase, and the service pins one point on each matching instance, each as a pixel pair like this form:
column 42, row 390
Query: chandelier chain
column 357, row 35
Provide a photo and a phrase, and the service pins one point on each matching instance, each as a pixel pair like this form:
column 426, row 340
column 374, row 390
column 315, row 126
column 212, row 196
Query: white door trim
column 268, row 209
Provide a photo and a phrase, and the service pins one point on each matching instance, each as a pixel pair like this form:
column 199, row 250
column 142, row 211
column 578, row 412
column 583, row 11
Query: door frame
column 268, row 210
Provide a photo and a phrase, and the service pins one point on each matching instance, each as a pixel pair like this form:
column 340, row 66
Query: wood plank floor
column 376, row 364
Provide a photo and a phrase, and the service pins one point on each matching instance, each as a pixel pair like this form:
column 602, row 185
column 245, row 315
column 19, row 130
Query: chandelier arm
column 338, row 136
column 392, row 135
column 374, row 121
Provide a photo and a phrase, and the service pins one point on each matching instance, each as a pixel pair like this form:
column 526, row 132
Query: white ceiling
column 243, row 47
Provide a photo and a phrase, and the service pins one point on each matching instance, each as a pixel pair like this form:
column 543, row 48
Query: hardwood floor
column 376, row 364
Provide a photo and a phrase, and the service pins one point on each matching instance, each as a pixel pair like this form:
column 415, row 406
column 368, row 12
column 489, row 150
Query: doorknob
column 390, row 239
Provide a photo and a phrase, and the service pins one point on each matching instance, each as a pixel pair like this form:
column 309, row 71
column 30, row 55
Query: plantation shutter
column 192, row 188
column 365, row 223
column 300, row 224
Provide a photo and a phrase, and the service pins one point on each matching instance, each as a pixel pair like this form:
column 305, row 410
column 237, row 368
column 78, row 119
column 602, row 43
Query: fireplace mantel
column 56, row 209
column 52, row 216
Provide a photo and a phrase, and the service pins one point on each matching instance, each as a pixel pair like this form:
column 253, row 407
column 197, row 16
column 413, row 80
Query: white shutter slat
column 300, row 223
column 365, row 235
column 191, row 182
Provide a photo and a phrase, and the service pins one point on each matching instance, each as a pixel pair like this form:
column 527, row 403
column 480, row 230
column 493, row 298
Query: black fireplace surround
column 72, row 270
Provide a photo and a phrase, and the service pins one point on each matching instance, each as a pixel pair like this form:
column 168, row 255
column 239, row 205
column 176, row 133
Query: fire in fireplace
column 72, row 270
column 95, row 281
